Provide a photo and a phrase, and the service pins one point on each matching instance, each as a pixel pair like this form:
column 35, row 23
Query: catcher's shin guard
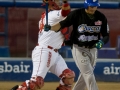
column 34, row 84
column 67, row 79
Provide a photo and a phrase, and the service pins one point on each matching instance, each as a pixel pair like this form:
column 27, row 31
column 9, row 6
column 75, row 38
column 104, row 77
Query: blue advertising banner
column 14, row 69
column 108, row 71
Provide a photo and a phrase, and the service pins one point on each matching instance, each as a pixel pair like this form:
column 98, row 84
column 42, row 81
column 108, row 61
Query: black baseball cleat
column 15, row 87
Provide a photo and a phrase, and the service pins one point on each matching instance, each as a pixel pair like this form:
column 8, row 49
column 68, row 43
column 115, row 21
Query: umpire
column 89, row 25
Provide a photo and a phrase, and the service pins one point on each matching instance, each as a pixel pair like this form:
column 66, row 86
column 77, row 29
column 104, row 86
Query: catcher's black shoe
column 15, row 87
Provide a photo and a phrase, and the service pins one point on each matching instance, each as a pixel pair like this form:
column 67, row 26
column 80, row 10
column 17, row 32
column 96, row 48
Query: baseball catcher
column 45, row 56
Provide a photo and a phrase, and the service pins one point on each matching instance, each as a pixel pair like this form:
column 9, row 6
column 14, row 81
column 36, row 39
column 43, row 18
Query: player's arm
column 105, row 31
column 56, row 27
column 68, row 21
column 105, row 34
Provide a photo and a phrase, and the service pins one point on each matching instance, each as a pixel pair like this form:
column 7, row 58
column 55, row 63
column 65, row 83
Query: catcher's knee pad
column 33, row 84
column 67, row 77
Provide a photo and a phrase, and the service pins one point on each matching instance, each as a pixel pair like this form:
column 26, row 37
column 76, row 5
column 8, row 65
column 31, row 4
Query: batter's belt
column 50, row 47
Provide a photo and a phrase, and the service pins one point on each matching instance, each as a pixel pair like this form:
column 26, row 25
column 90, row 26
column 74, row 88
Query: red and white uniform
column 54, row 39
column 44, row 56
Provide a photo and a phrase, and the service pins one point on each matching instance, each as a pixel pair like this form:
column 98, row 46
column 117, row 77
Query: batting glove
column 99, row 44
column 47, row 28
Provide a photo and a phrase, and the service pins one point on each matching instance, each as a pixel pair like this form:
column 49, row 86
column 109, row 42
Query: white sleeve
column 54, row 17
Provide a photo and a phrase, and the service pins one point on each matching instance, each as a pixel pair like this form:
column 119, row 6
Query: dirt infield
column 53, row 85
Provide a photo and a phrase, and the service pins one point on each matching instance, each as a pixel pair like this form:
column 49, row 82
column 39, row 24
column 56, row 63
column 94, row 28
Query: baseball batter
column 89, row 25
column 45, row 56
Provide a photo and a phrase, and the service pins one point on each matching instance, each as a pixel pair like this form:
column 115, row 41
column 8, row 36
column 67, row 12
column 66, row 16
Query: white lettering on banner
column 7, row 68
column 111, row 70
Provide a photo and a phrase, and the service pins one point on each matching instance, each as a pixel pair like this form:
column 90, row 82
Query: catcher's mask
column 51, row 3
column 93, row 3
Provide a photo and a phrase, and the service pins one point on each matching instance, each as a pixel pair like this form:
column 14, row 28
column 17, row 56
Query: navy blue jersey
column 86, row 30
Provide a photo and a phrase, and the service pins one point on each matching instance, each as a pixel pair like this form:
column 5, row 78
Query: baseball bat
column 46, row 12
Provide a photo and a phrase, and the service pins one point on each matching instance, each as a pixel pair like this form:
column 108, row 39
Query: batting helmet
column 91, row 3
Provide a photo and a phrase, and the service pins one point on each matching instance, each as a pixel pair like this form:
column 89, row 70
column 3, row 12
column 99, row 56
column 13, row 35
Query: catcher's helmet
column 51, row 3
column 91, row 3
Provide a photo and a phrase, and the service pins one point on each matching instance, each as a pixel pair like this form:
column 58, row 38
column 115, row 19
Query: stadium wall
column 20, row 69
column 23, row 18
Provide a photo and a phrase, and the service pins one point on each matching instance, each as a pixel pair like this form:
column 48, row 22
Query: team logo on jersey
column 81, row 28
column 84, row 38
column 91, row 29
column 98, row 22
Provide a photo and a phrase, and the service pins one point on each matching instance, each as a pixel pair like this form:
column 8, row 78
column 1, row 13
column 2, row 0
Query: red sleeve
column 65, row 9
column 65, row 32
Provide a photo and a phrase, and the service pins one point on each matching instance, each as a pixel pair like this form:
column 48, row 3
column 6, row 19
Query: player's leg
column 40, row 69
column 32, row 84
column 80, row 83
column 66, row 75
column 83, row 57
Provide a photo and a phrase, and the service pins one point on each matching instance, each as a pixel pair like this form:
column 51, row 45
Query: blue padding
column 32, row 3
column 73, row 4
column 65, row 52
column 118, row 45
column 69, row 53
column 4, row 51
column 38, row 3
column 107, row 45
column 107, row 53
column 76, row 4
column 7, row 3
column 109, row 5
